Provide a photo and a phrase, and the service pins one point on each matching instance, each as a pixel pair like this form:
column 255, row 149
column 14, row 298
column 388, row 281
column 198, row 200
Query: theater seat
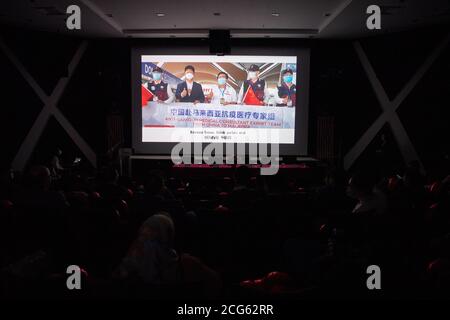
column 95, row 195
column 435, row 188
column 392, row 183
column 273, row 282
column 6, row 205
column 221, row 209
column 130, row 193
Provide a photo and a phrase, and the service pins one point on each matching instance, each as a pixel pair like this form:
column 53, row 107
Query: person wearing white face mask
column 189, row 90
column 161, row 91
column 222, row 93
column 258, row 86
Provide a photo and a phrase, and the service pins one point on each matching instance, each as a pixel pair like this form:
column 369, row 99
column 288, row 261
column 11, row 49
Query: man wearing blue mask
column 222, row 93
column 287, row 91
column 161, row 90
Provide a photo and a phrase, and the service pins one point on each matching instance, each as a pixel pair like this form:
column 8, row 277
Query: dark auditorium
column 283, row 151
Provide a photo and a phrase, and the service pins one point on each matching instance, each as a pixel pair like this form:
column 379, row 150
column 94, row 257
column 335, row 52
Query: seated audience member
column 151, row 198
column 242, row 178
column 243, row 196
column 156, row 186
column 37, row 193
column 414, row 186
column 108, row 186
column 40, row 219
column 55, row 164
column 6, row 184
column 153, row 259
column 362, row 188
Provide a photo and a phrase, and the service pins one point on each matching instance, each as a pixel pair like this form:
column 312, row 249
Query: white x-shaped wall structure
column 389, row 107
column 50, row 108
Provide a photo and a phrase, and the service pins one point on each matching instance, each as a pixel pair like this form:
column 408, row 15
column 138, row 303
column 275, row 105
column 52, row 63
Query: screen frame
column 300, row 145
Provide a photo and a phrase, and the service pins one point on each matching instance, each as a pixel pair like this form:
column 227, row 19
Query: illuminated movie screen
column 225, row 99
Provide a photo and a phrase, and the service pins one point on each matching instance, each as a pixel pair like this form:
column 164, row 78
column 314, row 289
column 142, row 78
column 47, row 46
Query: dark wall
column 339, row 88
column 99, row 86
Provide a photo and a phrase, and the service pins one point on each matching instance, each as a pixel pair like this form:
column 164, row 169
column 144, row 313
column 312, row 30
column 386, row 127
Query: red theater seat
column 435, row 188
column 273, row 282
column 6, row 205
column 221, row 209
column 95, row 195
column 392, row 183
column 123, row 206
column 130, row 193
